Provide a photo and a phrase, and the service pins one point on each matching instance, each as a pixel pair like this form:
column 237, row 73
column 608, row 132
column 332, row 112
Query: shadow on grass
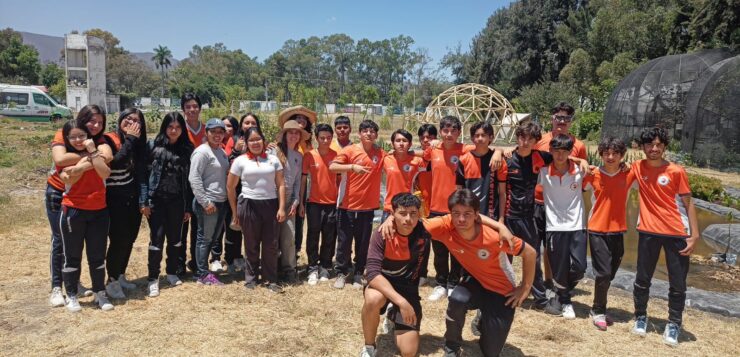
column 433, row 345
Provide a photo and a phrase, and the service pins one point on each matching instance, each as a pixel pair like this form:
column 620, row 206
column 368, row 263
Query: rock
column 717, row 209
column 719, row 237
column 726, row 304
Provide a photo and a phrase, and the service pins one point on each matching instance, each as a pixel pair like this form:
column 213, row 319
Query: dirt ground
column 228, row 320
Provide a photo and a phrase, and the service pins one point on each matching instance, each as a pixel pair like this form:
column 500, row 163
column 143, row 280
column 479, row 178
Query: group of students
column 474, row 206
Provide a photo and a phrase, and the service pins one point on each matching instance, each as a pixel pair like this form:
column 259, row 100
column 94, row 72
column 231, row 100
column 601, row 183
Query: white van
column 29, row 102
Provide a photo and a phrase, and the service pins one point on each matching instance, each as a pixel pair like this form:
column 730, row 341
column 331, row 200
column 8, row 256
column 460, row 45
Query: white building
column 85, row 69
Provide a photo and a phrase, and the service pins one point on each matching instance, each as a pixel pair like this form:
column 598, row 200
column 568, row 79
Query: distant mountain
column 50, row 49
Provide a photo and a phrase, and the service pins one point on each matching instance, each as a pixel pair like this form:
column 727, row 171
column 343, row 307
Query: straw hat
column 298, row 109
column 293, row 125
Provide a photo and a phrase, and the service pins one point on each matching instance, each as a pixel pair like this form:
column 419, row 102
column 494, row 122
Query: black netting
column 656, row 94
column 713, row 137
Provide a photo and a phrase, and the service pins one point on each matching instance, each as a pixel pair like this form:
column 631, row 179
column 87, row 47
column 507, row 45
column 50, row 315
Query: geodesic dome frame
column 471, row 103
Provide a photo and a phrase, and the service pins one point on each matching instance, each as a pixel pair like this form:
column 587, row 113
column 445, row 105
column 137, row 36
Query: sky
column 259, row 28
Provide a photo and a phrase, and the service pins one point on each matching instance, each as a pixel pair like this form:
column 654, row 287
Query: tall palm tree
column 161, row 59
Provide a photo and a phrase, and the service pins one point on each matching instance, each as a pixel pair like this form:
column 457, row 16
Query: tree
column 161, row 60
column 51, row 74
column 578, row 73
column 19, row 63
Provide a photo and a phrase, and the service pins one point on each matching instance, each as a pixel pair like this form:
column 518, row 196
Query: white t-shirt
column 258, row 176
column 563, row 196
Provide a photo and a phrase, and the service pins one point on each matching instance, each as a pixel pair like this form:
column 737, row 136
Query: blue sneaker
column 640, row 328
column 670, row 335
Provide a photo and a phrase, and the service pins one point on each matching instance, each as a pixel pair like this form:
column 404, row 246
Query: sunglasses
column 563, row 118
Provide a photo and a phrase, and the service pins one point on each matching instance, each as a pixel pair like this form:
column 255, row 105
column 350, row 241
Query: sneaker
column 239, row 264
column 554, row 307
column 83, row 291
column 452, row 352
column 313, row 278
column 153, row 288
column 275, row 288
column 174, row 280
column 439, row 292
column 670, row 335
column 251, row 285
column 357, row 281
column 422, row 281
column 388, row 325
column 640, row 328
column 216, row 267
column 73, row 305
column 323, row 274
column 475, row 324
column 210, row 279
column 367, row 351
column 57, row 298
column 599, row 320
column 102, row 299
column 114, row 290
column 125, row 283
column 339, row 283
column 568, row 312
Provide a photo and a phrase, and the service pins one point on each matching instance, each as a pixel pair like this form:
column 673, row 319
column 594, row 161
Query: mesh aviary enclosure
column 713, row 136
column 471, row 103
column 694, row 96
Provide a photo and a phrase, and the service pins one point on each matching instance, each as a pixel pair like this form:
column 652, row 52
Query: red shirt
column 197, row 138
column 444, row 169
column 399, row 176
column 88, row 193
column 661, row 208
column 323, row 182
column 579, row 151
column 362, row 192
column 481, row 257
column 609, row 194
column 54, row 180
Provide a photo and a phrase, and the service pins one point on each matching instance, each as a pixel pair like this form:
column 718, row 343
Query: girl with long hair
column 166, row 198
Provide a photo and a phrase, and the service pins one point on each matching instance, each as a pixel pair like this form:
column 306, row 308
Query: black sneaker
column 554, row 307
column 452, row 352
column 275, row 288
column 475, row 324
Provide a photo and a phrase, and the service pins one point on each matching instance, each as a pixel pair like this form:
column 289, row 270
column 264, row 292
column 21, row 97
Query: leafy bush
column 586, row 123
column 385, row 123
column 705, row 188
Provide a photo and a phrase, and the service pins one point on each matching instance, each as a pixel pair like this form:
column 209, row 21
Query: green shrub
column 385, row 123
column 586, row 123
column 36, row 141
column 705, row 188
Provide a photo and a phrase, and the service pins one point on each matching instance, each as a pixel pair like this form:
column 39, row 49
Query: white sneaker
column 57, row 298
column 83, row 291
column 173, row 279
column 357, row 281
column 125, row 283
column 387, row 326
column 439, row 292
column 568, row 312
column 313, row 278
column 367, row 351
column 239, row 264
column 73, row 305
column 114, row 290
column 102, row 299
column 216, row 267
column 153, row 288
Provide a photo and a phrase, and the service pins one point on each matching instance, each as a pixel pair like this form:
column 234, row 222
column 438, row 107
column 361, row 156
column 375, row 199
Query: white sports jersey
column 563, row 196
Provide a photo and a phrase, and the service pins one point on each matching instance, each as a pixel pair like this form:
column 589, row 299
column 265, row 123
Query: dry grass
column 305, row 321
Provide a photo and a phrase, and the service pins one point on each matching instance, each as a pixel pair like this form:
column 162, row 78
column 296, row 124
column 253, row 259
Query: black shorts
column 411, row 294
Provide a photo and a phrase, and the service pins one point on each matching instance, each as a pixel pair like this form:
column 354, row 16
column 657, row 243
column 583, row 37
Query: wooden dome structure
column 471, row 103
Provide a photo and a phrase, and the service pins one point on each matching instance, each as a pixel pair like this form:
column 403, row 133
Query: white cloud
column 332, row 19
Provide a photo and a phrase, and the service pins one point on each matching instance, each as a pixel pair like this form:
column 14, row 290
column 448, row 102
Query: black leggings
column 80, row 228
column 125, row 220
column 495, row 322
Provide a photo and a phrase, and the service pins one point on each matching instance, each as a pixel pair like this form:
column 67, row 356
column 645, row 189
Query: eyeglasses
column 77, row 137
column 563, row 118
